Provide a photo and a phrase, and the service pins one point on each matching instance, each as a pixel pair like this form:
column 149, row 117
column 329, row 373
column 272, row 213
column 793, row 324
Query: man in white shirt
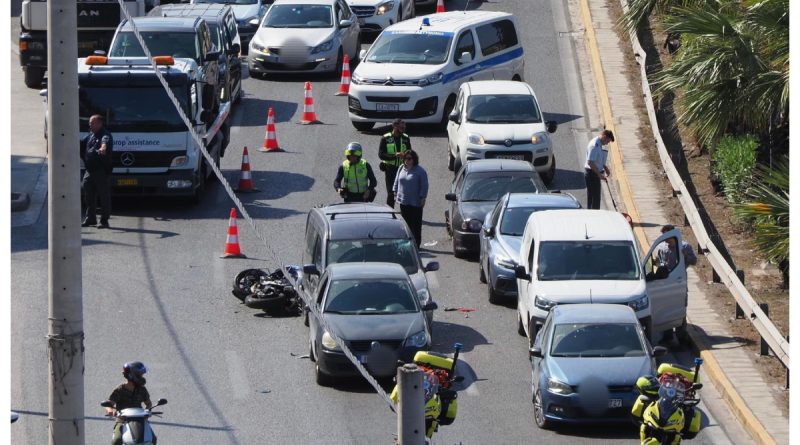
column 596, row 168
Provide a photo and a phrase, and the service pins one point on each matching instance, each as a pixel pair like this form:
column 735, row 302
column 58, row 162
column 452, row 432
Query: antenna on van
column 586, row 229
column 590, row 296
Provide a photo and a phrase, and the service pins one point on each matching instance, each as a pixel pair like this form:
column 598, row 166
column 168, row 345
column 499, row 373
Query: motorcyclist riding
column 131, row 394
column 355, row 181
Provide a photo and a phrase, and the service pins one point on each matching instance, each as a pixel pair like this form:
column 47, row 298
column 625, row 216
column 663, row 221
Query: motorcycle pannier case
column 672, row 368
column 433, row 360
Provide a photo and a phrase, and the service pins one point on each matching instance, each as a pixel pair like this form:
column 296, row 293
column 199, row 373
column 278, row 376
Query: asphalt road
column 156, row 290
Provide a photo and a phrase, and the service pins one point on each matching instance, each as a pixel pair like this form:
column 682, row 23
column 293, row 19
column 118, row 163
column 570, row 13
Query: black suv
column 225, row 37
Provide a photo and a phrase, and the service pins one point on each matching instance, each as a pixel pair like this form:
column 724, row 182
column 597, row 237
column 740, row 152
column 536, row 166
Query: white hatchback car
column 500, row 119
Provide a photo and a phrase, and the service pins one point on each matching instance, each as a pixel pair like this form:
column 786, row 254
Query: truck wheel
column 34, row 77
column 362, row 126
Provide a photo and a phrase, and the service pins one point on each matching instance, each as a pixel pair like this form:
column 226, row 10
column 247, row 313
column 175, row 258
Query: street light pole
column 65, row 321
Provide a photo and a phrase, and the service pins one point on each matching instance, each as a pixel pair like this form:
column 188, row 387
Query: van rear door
column 666, row 288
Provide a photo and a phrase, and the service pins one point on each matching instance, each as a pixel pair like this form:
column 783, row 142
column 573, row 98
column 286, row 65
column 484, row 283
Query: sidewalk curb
column 737, row 405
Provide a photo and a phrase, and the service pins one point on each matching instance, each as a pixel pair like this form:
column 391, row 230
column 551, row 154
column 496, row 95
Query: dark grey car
column 372, row 308
column 475, row 191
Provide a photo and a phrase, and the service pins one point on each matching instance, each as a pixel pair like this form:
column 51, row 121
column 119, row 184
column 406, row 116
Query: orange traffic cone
column 344, row 87
column 245, row 180
column 232, row 241
column 309, row 115
column 439, row 6
column 270, row 140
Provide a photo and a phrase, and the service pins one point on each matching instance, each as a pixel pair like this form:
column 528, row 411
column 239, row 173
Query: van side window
column 497, row 36
column 316, row 257
column 321, row 292
column 230, row 24
column 308, row 253
column 530, row 256
column 466, row 44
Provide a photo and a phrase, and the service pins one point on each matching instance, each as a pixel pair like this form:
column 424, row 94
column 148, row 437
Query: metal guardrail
column 762, row 323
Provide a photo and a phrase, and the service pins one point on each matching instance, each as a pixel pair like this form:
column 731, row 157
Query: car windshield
column 370, row 297
column 398, row 251
column 596, row 340
column 230, row 2
column 132, row 108
column 490, row 186
column 418, row 48
column 175, row 44
column 299, row 16
column 503, row 109
column 587, row 260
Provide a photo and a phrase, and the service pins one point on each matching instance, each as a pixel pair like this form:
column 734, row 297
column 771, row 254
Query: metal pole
column 65, row 323
column 411, row 406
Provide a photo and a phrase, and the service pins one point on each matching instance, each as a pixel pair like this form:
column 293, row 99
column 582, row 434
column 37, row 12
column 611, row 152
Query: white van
column 414, row 68
column 591, row 256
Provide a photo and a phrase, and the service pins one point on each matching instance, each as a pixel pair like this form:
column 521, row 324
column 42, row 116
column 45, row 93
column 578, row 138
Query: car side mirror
column 432, row 306
column 43, row 92
column 213, row 56
column 536, row 352
column 432, row 266
column 519, row 272
column 465, row 57
column 455, row 117
column 362, row 54
column 488, row 231
column 310, row 269
column 450, row 197
column 552, row 126
column 345, row 23
column 235, row 49
column 659, row 351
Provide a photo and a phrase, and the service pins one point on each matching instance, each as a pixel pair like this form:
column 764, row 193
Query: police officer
column 355, row 181
column 96, row 154
column 391, row 150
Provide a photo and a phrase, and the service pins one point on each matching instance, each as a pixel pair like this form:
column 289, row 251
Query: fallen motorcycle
column 136, row 428
column 665, row 409
column 270, row 292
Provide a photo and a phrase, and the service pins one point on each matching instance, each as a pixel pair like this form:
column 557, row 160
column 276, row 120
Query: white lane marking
column 238, row 376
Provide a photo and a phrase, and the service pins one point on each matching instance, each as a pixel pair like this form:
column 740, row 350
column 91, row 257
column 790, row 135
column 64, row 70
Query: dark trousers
column 96, row 187
column 592, row 189
column 390, row 173
column 413, row 217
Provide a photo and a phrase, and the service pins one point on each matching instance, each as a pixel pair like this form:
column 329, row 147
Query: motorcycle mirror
column 659, row 351
column 107, row 404
column 458, row 379
column 161, row 402
column 697, row 386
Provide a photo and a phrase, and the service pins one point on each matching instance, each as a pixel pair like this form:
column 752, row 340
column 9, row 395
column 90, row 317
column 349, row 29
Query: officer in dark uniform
column 391, row 150
column 96, row 150
column 355, row 181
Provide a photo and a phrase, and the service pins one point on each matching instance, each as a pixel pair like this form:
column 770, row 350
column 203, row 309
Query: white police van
column 414, row 68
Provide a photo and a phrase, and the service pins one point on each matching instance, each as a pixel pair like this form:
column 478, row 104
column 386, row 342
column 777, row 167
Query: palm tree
column 733, row 65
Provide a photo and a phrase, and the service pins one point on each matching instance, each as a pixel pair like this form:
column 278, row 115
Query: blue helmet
column 134, row 372
column 353, row 149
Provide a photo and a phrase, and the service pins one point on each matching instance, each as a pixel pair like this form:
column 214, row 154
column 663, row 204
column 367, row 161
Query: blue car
column 585, row 362
column 502, row 234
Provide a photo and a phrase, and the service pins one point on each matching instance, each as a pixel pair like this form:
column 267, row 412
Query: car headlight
column 557, row 387
column 423, row 296
column 260, row 48
column 383, row 8
column 473, row 225
column 178, row 161
column 504, row 262
column 475, row 139
column 418, row 340
column 329, row 343
column 539, row 138
column 436, row 78
column 253, row 22
column 356, row 79
column 640, row 303
column 322, row 47
column 543, row 303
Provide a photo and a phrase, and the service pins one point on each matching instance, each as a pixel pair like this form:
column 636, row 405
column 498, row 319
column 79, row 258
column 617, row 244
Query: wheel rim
column 538, row 411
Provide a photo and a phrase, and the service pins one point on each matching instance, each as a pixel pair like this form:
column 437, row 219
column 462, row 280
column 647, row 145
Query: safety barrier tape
column 199, row 141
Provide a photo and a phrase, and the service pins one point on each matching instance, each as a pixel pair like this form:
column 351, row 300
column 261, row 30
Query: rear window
column 587, row 260
column 398, row 251
column 490, row 186
column 497, row 36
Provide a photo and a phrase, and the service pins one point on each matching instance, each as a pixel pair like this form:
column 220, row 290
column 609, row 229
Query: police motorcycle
column 441, row 404
column 665, row 408
column 136, row 428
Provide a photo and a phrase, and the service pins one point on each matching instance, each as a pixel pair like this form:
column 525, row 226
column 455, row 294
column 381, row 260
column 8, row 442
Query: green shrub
column 734, row 161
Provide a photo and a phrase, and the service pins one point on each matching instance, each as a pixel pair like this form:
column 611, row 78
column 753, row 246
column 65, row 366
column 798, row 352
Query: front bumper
column 466, row 241
column 503, row 281
column 571, row 409
column 154, row 184
column 378, row 103
column 335, row 363
column 540, row 157
column 259, row 62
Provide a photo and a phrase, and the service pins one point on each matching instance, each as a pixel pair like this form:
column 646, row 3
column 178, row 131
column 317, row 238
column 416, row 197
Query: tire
column 305, row 315
column 337, row 71
column 456, row 252
column 448, row 108
column 532, row 331
column 494, row 298
column 34, row 77
column 311, row 352
column 482, row 276
column 551, row 173
column 197, row 196
column 356, row 59
column 520, row 327
column 244, row 281
column 322, row 378
column 538, row 411
column 457, row 162
column 451, row 161
column 363, row 126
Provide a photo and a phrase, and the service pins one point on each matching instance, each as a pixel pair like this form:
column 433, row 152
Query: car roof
column 162, row 23
column 364, row 220
column 478, row 87
column 447, row 21
column 493, row 165
column 542, row 200
column 345, row 271
column 206, row 10
column 578, row 224
column 593, row 313
column 304, row 2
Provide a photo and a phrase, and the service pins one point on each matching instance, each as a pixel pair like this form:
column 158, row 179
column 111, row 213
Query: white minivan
column 591, row 256
column 414, row 68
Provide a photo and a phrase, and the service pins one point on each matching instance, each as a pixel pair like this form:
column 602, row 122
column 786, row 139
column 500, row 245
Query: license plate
column 127, row 182
column 615, row 403
column 517, row 157
column 388, row 107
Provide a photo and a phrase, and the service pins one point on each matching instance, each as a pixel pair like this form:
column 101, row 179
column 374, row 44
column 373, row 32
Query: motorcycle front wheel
column 245, row 280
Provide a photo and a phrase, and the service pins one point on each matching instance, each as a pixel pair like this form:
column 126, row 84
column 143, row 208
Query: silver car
column 501, row 236
column 304, row 36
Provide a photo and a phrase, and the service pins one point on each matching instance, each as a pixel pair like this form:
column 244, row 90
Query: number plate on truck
column 127, row 182
column 615, row 403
